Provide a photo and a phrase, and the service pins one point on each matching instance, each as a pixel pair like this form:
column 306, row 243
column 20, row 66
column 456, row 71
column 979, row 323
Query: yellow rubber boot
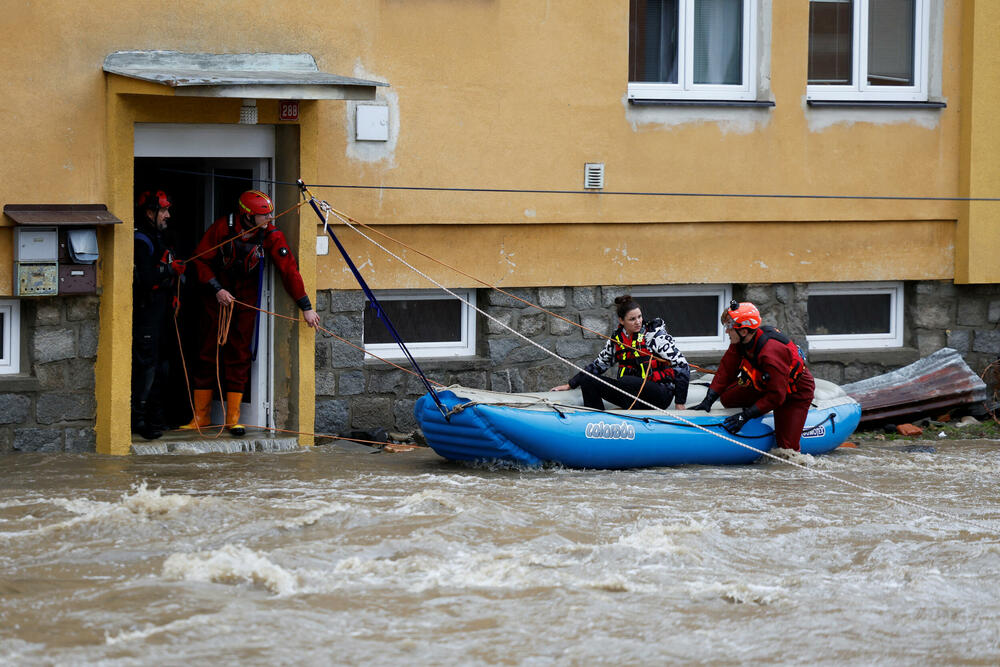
column 233, row 399
column 202, row 409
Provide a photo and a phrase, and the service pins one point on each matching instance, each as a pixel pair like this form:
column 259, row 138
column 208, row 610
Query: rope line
column 333, row 335
column 887, row 496
column 484, row 283
column 626, row 193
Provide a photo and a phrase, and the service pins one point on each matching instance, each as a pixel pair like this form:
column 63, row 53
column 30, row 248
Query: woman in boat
column 762, row 370
column 650, row 367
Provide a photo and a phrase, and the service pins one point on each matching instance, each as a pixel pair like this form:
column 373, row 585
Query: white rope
column 661, row 411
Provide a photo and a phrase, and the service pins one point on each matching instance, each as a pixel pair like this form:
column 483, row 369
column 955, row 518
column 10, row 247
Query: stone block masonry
column 354, row 393
column 50, row 406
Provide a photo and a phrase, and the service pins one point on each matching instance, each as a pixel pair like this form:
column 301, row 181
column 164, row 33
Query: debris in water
column 940, row 381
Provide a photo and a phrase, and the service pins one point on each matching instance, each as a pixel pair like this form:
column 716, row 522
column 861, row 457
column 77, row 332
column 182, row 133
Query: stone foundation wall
column 50, row 406
column 354, row 394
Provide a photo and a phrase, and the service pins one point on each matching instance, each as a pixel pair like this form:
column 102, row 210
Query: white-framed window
column 692, row 49
column 855, row 315
column 432, row 323
column 10, row 337
column 868, row 50
column 691, row 313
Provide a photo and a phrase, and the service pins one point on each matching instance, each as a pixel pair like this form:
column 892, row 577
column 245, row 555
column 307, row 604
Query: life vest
column 239, row 255
column 165, row 258
column 749, row 374
column 635, row 358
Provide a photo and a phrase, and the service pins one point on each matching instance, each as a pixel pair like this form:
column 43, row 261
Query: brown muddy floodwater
column 331, row 557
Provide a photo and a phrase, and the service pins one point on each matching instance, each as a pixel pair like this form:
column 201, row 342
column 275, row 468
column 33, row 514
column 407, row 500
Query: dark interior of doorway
column 192, row 184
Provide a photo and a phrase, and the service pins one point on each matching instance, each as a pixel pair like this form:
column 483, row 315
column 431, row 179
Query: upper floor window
column 10, row 340
column 868, row 50
column 691, row 49
column 432, row 323
column 855, row 315
column 691, row 313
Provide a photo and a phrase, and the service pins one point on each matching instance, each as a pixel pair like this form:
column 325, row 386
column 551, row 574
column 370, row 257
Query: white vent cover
column 593, row 175
column 248, row 112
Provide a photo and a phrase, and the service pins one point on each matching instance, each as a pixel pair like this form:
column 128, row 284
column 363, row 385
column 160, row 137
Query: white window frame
column 685, row 88
column 686, row 344
column 894, row 337
column 466, row 347
column 860, row 90
column 10, row 352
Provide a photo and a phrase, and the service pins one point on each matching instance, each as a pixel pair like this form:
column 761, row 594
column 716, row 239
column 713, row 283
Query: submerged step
column 227, row 445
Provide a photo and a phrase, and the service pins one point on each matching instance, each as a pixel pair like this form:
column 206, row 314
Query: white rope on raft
column 331, row 211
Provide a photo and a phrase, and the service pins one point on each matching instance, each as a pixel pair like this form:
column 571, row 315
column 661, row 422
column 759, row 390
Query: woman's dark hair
column 624, row 304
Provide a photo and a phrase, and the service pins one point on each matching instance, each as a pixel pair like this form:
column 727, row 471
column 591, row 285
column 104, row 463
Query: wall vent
column 593, row 176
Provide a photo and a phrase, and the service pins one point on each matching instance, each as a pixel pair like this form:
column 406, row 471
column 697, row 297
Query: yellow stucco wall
column 519, row 95
column 978, row 234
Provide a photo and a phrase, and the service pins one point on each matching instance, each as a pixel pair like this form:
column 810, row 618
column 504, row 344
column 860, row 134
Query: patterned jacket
column 661, row 343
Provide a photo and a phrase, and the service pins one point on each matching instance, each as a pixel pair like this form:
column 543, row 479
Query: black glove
column 706, row 403
column 734, row 423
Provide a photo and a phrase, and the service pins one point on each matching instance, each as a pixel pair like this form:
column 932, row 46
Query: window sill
column 749, row 104
column 19, row 383
column 437, row 363
column 862, row 104
column 884, row 356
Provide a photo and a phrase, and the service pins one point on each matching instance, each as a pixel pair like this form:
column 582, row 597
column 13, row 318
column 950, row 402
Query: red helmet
column 153, row 201
column 742, row 315
column 255, row 202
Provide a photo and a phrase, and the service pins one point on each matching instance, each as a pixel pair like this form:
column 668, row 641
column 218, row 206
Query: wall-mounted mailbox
column 82, row 245
column 36, row 261
column 36, row 244
column 55, row 247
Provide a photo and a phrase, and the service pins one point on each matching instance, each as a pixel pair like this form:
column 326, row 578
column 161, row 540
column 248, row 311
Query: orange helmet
column 742, row 315
column 255, row 202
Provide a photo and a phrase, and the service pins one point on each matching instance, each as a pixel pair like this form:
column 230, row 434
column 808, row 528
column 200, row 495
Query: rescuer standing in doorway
column 154, row 280
column 762, row 370
column 230, row 263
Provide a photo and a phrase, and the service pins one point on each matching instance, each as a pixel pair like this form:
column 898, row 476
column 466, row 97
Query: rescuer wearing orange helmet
column 229, row 260
column 763, row 370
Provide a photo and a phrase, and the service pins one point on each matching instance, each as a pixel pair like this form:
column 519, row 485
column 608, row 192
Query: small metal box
column 37, row 279
column 372, row 122
column 34, row 244
column 77, row 279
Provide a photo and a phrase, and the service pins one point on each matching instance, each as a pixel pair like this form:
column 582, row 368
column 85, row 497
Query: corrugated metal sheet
column 935, row 383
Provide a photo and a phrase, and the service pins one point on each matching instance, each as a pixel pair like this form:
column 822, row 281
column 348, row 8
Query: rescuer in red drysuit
column 232, row 272
column 763, row 370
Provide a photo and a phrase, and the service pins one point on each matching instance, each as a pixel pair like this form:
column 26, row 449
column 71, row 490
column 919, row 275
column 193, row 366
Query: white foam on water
column 144, row 502
column 232, row 564
column 432, row 501
column 737, row 592
column 661, row 538
column 149, row 630
column 312, row 516
column 152, row 502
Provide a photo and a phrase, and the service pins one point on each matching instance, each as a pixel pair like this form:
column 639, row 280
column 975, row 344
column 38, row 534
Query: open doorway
column 203, row 189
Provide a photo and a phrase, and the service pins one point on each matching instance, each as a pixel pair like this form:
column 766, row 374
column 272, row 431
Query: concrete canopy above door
column 242, row 75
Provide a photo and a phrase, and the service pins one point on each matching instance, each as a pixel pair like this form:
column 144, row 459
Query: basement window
column 855, row 315
column 10, row 339
column 691, row 313
column 432, row 323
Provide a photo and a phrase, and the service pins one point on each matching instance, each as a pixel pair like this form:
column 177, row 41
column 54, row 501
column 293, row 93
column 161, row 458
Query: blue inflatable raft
column 554, row 427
